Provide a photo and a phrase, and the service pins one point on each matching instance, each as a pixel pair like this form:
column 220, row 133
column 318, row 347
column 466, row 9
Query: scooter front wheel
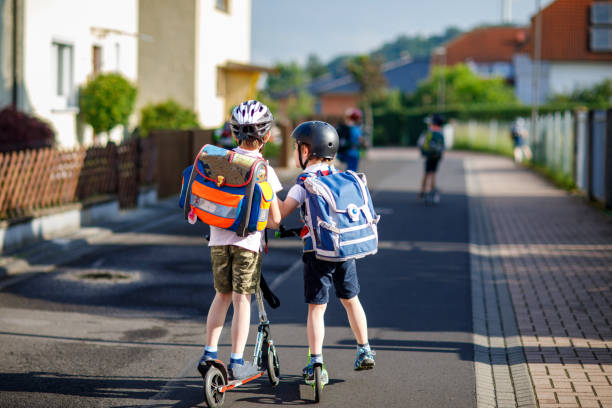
column 273, row 365
column 213, row 382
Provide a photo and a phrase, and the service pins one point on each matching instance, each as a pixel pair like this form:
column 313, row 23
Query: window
column 96, row 54
column 117, row 57
column 601, row 39
column 601, row 27
column 601, row 13
column 63, row 74
column 222, row 5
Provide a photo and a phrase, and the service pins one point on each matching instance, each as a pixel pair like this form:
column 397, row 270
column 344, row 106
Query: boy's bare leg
column 423, row 182
column 432, row 178
column 315, row 326
column 216, row 317
column 240, row 321
column 357, row 319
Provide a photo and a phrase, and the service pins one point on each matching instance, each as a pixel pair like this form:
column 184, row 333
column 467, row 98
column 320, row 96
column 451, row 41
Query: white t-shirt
column 298, row 192
column 252, row 242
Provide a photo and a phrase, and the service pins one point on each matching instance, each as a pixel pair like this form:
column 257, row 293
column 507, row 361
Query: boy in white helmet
column 236, row 261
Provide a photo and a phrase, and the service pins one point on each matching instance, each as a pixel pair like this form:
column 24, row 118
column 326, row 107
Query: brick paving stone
column 554, row 253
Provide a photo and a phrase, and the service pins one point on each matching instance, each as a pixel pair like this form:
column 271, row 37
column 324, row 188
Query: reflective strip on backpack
column 217, row 209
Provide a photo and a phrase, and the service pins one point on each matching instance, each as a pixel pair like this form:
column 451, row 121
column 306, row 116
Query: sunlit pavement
column 500, row 289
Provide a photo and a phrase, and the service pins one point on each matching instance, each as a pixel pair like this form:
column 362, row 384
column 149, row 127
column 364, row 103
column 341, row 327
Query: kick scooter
column 317, row 385
column 215, row 374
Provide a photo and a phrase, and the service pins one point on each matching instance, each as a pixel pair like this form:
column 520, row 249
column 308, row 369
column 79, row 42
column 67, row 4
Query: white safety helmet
column 251, row 119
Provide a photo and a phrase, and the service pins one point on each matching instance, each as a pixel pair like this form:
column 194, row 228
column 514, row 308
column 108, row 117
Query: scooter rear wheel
column 213, row 381
column 318, row 384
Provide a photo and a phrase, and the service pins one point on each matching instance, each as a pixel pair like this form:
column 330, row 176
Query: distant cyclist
column 431, row 144
column 518, row 132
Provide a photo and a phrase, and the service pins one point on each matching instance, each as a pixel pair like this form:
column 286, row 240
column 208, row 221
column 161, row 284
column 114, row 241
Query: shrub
column 19, row 131
column 166, row 115
column 107, row 101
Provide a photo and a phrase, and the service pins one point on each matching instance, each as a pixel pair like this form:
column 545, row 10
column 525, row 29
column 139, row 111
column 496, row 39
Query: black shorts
column 320, row 275
column 431, row 164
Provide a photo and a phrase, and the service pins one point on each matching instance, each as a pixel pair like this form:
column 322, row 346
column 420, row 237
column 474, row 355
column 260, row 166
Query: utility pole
column 440, row 58
column 506, row 11
column 535, row 82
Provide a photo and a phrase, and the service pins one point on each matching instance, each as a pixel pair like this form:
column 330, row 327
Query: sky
column 290, row 30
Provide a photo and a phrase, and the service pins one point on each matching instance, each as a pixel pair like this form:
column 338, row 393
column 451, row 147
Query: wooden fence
column 35, row 179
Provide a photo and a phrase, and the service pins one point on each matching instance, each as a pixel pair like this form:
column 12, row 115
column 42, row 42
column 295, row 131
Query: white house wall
column 566, row 77
column 222, row 37
column 70, row 22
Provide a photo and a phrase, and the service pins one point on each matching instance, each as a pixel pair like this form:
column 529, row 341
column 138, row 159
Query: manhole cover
column 104, row 276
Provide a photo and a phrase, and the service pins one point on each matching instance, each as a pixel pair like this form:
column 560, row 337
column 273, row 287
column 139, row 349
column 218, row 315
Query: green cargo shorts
column 235, row 269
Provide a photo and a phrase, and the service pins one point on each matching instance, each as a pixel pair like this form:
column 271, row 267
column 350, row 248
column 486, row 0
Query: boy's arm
column 274, row 217
column 287, row 206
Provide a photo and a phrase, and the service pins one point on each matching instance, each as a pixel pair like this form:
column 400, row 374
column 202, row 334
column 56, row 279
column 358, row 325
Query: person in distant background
column 351, row 139
column 518, row 132
column 431, row 144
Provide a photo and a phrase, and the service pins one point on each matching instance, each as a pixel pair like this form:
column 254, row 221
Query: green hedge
column 403, row 127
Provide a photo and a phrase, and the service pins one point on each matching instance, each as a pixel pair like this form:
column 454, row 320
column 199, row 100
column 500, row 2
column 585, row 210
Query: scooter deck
column 235, row 383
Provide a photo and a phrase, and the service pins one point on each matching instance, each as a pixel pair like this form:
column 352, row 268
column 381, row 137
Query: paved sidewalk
column 553, row 253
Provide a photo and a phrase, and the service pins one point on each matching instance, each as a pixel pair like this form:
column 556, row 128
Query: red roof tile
column 489, row 44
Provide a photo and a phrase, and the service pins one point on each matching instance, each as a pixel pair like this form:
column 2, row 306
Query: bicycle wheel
column 318, row 384
column 213, row 381
column 273, row 365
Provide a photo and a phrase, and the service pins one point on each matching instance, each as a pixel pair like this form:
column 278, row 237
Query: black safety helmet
column 438, row 119
column 321, row 138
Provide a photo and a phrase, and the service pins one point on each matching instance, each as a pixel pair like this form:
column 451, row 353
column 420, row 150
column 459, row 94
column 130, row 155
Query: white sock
column 210, row 349
column 236, row 356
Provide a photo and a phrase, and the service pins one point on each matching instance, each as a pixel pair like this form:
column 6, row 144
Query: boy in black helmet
column 316, row 145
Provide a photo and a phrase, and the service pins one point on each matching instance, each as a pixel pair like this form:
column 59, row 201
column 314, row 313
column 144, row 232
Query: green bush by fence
column 403, row 127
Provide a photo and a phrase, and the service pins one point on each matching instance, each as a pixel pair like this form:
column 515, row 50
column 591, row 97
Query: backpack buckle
column 353, row 212
column 220, row 181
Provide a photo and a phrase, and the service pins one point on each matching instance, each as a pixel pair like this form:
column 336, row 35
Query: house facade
column 576, row 49
column 47, row 54
column 335, row 95
column 198, row 55
column 488, row 51
column 194, row 51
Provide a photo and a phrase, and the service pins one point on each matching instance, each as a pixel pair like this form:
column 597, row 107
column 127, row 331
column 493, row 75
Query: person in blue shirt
column 351, row 139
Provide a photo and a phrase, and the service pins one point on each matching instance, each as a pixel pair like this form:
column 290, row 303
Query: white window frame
column 63, row 89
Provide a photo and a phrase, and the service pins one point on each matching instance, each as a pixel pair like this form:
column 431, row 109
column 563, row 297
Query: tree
column 314, row 67
column 367, row 72
column 166, row 115
column 107, row 101
column 288, row 77
column 462, row 86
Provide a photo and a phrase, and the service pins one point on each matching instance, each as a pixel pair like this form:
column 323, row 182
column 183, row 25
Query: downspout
column 14, row 90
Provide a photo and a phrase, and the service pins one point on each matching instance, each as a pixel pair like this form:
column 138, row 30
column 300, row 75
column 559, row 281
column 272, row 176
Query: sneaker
column 308, row 373
column 420, row 195
column 365, row 359
column 202, row 363
column 241, row 371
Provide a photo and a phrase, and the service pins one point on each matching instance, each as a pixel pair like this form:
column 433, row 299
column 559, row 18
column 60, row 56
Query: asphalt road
column 123, row 325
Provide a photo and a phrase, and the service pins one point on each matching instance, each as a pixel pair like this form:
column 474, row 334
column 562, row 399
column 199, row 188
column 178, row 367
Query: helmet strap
column 302, row 163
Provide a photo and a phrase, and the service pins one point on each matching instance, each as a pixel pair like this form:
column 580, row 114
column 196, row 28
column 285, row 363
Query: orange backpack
column 228, row 190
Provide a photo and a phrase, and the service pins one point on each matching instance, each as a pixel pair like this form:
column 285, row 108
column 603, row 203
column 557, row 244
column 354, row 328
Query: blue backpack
column 340, row 215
